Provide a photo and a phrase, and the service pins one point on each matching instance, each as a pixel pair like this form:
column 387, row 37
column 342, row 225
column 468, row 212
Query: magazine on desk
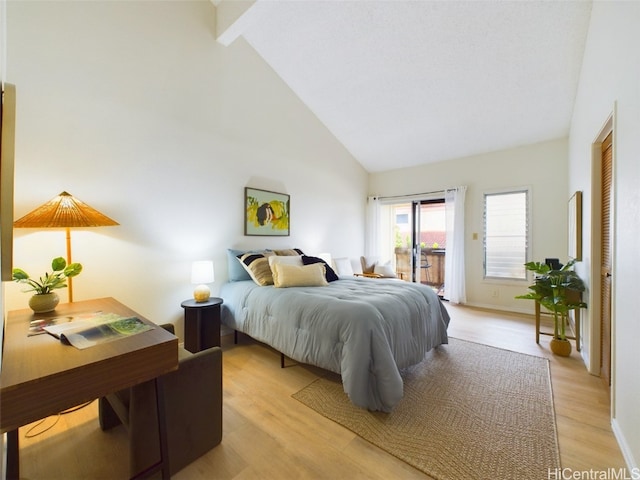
column 86, row 330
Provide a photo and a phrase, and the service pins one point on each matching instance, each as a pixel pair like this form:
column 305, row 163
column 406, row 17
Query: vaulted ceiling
column 402, row 83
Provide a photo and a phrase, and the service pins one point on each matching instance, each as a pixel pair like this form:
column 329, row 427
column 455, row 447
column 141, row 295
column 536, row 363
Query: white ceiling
column 403, row 83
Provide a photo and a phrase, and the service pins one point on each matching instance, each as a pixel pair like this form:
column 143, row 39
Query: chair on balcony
column 425, row 265
column 372, row 268
column 368, row 266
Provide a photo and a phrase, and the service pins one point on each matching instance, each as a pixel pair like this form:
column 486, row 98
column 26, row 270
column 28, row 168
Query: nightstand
column 201, row 324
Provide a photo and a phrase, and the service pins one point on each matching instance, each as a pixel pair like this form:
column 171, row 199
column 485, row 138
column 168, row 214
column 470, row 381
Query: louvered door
column 605, row 314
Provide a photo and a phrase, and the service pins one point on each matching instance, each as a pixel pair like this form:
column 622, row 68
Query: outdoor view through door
column 422, row 237
column 415, row 239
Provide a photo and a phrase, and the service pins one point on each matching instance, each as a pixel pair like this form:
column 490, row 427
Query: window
column 402, row 218
column 506, row 234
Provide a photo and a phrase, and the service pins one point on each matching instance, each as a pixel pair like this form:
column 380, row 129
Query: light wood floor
column 269, row 435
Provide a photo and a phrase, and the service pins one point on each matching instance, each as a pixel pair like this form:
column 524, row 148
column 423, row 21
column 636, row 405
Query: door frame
column 416, row 248
column 596, row 248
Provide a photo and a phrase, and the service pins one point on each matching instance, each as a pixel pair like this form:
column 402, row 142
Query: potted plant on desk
column 44, row 300
column 559, row 291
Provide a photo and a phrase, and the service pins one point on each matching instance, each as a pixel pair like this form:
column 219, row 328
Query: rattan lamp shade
column 67, row 212
column 64, row 211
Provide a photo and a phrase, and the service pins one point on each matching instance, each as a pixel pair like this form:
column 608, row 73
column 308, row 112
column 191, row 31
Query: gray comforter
column 364, row 329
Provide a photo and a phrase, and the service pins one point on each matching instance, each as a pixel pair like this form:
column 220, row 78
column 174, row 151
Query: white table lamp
column 201, row 274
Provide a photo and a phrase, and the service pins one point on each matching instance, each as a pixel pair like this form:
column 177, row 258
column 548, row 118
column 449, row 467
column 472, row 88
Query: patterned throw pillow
column 235, row 270
column 257, row 265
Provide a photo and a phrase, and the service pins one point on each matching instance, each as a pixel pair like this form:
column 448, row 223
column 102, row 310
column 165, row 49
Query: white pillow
column 343, row 266
column 299, row 276
column 384, row 270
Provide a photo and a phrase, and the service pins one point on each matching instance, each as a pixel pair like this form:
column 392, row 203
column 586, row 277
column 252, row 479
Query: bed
column 364, row 329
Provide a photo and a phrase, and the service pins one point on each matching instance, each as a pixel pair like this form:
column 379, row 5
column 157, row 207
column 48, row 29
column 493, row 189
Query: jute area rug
column 469, row 412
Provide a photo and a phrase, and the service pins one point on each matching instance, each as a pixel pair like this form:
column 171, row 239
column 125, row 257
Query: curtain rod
column 410, row 195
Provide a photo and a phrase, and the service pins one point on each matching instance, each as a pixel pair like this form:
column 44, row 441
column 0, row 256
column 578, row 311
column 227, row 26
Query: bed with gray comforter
column 364, row 329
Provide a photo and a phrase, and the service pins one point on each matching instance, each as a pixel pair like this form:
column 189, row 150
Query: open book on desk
column 84, row 331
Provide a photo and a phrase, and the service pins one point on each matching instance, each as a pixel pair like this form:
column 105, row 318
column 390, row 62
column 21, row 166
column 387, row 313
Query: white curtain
column 454, row 271
column 372, row 227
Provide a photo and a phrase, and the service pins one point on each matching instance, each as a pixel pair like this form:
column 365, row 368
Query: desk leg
column 13, row 455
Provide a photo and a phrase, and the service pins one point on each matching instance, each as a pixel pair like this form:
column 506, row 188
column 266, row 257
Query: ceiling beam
column 232, row 17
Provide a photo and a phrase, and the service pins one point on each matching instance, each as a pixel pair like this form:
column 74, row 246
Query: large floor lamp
column 64, row 211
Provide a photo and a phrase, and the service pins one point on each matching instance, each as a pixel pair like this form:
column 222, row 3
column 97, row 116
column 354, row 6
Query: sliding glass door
column 414, row 238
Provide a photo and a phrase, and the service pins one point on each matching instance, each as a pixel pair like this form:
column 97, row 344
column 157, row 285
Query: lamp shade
column 202, row 272
column 64, row 211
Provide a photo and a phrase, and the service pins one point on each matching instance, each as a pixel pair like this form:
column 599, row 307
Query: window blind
column 506, row 222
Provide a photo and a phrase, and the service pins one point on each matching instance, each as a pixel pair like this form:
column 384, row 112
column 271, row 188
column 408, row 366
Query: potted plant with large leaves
column 44, row 299
column 559, row 291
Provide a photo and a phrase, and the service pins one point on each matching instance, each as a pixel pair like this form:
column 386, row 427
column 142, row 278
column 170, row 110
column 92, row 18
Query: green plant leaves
column 72, row 270
column 556, row 290
column 50, row 281
column 19, row 274
column 58, row 264
column 537, row 267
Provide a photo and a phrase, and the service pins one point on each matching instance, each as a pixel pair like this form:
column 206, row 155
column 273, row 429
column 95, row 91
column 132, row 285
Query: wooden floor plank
column 268, row 434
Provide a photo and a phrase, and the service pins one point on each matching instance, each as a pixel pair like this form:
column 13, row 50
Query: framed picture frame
column 266, row 213
column 575, row 226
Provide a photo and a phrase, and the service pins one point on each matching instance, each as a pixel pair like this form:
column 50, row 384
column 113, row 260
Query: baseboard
column 587, row 361
column 632, row 464
column 499, row 308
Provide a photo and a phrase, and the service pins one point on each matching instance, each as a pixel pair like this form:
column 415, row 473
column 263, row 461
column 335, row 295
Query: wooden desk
column 40, row 376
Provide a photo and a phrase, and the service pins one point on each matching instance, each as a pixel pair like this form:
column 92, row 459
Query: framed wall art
column 575, row 226
column 266, row 213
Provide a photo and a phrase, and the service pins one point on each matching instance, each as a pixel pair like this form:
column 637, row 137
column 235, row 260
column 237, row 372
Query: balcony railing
column 433, row 275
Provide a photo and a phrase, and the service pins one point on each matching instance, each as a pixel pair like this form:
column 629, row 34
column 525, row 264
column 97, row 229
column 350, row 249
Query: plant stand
column 573, row 326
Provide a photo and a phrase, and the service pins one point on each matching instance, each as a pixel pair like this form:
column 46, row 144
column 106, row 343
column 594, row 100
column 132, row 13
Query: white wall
column 611, row 75
column 542, row 166
column 133, row 108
